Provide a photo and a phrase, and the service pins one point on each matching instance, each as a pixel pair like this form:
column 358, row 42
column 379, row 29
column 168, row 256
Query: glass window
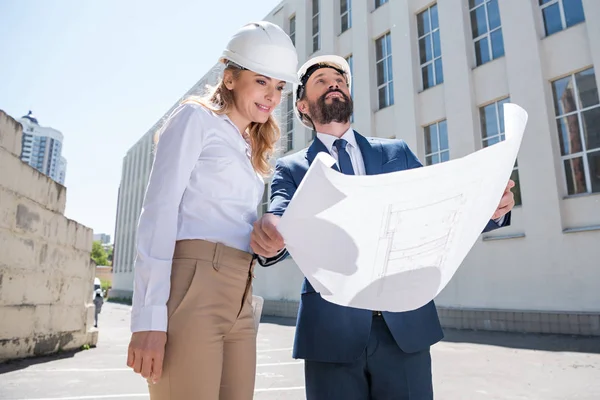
column 561, row 14
column 383, row 65
column 436, row 143
column 577, row 111
column 346, row 14
column 492, row 132
column 430, row 50
column 486, row 30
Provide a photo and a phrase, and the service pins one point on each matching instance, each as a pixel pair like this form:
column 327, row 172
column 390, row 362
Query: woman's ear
column 228, row 80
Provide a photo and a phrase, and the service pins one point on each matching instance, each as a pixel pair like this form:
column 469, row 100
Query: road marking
column 258, row 351
column 109, row 396
column 279, row 389
column 280, row 363
column 129, row 369
column 270, row 350
column 79, row 370
column 120, row 396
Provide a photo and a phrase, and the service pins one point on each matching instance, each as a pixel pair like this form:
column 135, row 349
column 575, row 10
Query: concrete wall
column 46, row 274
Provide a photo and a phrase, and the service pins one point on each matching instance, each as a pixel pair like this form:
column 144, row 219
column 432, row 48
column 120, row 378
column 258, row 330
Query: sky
column 103, row 72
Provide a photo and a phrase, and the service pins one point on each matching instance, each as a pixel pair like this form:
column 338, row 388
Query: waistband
column 217, row 253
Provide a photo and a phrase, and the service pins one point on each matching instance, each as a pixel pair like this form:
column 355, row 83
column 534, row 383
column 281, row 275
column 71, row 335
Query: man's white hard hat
column 264, row 48
column 327, row 61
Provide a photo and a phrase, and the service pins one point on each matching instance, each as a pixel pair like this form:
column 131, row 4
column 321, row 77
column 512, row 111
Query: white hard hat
column 264, row 48
column 328, row 61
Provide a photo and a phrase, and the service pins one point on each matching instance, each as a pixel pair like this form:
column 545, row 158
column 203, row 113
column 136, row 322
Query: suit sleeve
column 283, row 188
column 411, row 159
column 498, row 223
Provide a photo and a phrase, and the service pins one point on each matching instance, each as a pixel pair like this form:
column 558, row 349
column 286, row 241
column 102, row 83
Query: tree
column 98, row 254
column 109, row 255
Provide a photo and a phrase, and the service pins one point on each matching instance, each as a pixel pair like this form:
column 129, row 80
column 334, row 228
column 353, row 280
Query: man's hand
column 265, row 240
column 146, row 353
column 507, row 202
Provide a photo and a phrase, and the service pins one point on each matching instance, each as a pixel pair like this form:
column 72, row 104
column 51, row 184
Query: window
column 379, row 3
column 577, row 112
column 264, row 204
column 350, row 64
column 292, row 31
column 436, row 143
column 486, row 30
column 492, row 132
column 385, row 85
column 289, row 115
column 430, row 51
column 561, row 14
column 316, row 40
column 346, row 14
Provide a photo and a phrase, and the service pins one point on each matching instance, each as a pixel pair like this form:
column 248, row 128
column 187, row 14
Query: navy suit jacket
column 328, row 332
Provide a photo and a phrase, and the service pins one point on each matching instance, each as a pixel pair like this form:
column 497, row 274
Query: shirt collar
column 329, row 139
column 245, row 139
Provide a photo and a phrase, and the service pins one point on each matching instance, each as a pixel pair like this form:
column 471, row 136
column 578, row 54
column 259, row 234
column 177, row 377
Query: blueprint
column 393, row 241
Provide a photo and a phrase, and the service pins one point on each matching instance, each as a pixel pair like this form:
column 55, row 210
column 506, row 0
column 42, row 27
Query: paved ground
column 467, row 366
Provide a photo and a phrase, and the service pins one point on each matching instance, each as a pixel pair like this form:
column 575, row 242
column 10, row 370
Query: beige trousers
column 211, row 337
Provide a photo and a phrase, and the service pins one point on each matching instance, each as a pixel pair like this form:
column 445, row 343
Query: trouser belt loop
column 217, row 256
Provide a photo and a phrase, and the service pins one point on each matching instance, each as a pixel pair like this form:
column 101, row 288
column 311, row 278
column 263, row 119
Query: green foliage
column 98, row 254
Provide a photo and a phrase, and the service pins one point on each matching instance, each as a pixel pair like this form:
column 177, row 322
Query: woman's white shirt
column 202, row 186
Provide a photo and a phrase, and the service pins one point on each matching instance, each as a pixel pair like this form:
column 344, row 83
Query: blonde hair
column 263, row 136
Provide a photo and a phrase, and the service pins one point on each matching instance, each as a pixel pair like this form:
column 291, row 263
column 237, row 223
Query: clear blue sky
column 103, row 72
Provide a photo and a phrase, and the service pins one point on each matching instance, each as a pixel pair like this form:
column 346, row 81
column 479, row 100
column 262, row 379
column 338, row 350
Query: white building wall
column 547, row 260
column 136, row 169
column 539, row 274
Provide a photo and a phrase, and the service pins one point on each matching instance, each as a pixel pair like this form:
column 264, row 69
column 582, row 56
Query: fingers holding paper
column 507, row 202
column 265, row 240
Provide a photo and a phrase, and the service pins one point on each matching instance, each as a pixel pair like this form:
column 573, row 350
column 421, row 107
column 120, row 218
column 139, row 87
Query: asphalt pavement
column 467, row 365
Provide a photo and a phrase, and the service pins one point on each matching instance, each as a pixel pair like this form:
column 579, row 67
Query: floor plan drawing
column 393, row 241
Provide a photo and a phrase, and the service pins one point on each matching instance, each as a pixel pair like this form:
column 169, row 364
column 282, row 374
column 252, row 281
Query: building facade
column 41, row 147
column 436, row 75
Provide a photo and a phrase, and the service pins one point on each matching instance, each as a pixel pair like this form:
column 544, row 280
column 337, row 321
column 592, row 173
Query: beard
column 338, row 111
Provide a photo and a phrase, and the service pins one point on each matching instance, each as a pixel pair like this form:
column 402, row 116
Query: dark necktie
column 343, row 157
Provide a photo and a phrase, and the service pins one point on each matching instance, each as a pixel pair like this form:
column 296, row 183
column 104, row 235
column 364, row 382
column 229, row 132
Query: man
column 98, row 301
column 351, row 353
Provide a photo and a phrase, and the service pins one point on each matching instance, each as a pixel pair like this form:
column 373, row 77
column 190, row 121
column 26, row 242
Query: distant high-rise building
column 103, row 238
column 41, row 147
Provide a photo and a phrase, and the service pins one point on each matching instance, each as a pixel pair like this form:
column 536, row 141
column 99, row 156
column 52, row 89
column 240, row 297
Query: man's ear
column 302, row 106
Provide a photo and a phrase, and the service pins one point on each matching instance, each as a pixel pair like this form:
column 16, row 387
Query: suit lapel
column 315, row 148
column 371, row 153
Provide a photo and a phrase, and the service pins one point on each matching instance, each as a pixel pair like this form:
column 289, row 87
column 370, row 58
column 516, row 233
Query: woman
column 193, row 271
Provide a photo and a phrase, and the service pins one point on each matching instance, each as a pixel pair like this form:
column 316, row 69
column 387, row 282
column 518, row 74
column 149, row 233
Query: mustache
column 335, row 91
